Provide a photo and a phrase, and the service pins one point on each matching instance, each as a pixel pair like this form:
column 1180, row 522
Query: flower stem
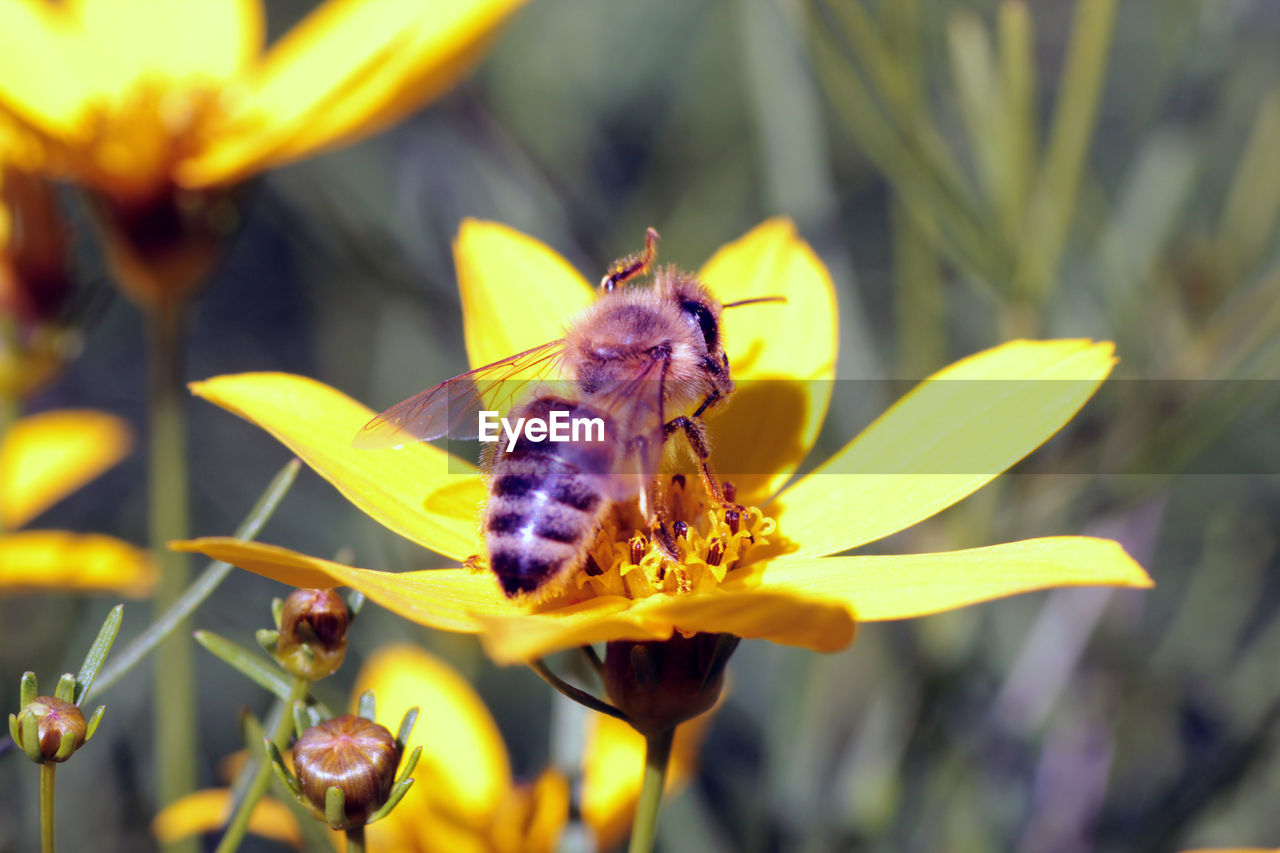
column 355, row 839
column 47, row 775
column 582, row 697
column 239, row 823
column 657, row 754
column 174, row 697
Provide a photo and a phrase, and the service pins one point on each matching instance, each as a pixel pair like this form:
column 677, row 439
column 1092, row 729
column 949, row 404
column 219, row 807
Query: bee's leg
column 632, row 265
column 653, row 510
column 695, row 431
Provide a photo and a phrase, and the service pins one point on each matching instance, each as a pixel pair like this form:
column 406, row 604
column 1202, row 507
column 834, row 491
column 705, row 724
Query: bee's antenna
column 632, row 265
column 754, row 301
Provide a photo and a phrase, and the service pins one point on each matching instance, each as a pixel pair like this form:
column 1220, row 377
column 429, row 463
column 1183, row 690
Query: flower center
column 711, row 539
column 140, row 135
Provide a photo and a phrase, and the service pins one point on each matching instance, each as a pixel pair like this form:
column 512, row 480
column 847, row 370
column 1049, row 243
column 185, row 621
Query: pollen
column 711, row 539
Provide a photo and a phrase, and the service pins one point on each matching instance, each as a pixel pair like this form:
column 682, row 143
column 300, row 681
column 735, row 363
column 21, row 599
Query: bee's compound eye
column 700, row 317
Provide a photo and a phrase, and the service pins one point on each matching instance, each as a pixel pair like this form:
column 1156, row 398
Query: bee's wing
column 452, row 407
column 634, row 403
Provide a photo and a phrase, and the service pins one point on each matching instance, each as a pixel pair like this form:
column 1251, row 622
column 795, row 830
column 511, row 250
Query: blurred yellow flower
column 43, row 458
column 769, row 572
column 464, row 799
column 35, row 275
column 135, row 96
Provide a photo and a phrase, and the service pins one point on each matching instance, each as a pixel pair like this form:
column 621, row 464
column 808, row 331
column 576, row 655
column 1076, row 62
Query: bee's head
column 702, row 313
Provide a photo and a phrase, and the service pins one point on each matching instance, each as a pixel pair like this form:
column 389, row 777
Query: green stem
column 582, row 697
column 355, row 840
column 201, row 589
column 657, row 754
column 48, row 773
column 174, row 697
column 239, row 823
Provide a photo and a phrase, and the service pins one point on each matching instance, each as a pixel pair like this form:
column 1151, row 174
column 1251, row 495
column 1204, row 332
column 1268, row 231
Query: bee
column 640, row 365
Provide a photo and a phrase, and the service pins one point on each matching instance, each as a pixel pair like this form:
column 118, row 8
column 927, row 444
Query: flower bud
column 54, row 719
column 357, row 756
column 35, row 281
column 162, row 244
column 313, row 633
column 660, row 684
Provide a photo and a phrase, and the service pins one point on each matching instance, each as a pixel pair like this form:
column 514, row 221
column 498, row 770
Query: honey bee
column 637, row 366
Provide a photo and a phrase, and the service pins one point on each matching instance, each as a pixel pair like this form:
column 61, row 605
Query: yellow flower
column 774, row 572
column 43, row 458
column 464, row 799
column 133, row 96
column 35, row 275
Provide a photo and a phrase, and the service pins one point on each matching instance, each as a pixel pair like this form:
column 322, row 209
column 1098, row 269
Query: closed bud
column 660, row 684
column 53, row 720
column 162, row 244
column 313, row 633
column 35, row 281
column 355, row 755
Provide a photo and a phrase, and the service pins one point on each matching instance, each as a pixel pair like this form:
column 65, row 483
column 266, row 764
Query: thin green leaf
column 1018, row 85
column 1253, row 204
column 1053, row 206
column 253, row 667
column 203, row 586
column 98, row 651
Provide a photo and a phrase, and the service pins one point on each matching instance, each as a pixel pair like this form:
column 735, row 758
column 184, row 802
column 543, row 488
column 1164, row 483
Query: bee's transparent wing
column 452, row 408
column 634, row 404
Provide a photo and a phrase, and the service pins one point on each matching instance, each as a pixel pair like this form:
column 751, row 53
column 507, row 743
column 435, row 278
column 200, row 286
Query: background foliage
column 969, row 173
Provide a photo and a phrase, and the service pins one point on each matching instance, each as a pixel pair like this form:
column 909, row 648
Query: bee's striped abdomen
column 543, row 508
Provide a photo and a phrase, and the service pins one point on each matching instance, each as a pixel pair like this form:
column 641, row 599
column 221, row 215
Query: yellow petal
column 463, row 757
column 448, row 599
column 418, row 491
column 876, row 588
column 783, row 356
column 534, row 817
column 208, row 811
column 348, row 69
column 952, row 434
column 444, row 43
column 778, row 616
column 57, row 560
column 45, row 457
column 38, row 76
column 211, row 38
column 614, row 765
column 516, row 292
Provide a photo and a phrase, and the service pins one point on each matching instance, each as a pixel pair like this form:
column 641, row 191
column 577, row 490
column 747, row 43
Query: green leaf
column 246, row 662
column 203, row 586
column 1052, row 208
column 98, row 651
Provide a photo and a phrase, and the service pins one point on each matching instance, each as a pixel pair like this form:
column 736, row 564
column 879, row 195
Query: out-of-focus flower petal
column 516, row 291
column 613, row 767
column 348, row 69
column 952, row 434
column 208, row 811
column 45, row 457
column 464, row 759
column 418, row 491
column 783, row 355
column 37, row 83
column 211, row 38
column 903, row 586
column 33, row 560
column 534, row 817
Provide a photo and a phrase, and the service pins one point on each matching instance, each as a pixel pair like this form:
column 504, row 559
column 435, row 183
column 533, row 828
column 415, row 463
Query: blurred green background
column 970, row 172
